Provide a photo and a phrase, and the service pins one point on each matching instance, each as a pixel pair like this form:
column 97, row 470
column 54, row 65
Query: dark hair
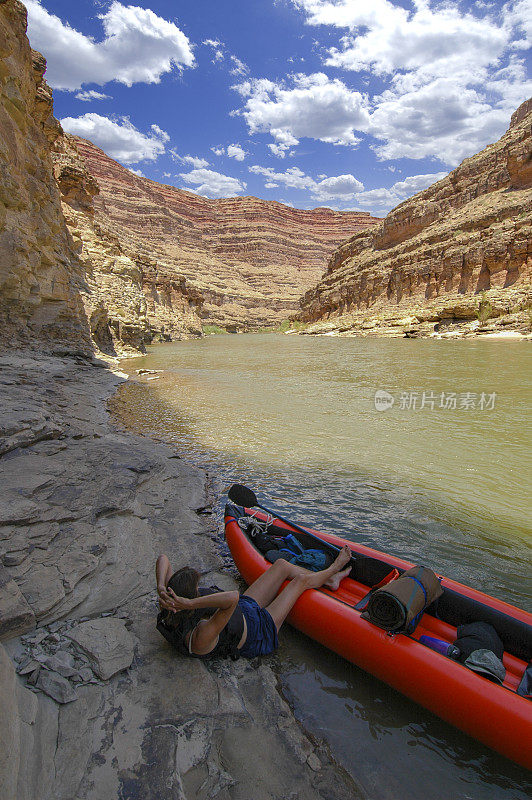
column 184, row 583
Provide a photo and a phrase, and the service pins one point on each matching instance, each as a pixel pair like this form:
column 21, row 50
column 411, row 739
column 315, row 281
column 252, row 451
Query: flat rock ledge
column 101, row 706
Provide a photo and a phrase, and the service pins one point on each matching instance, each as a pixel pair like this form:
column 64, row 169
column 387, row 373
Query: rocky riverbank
column 498, row 313
column 86, row 509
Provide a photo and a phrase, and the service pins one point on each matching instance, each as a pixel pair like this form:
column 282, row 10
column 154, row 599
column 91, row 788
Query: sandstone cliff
column 115, row 303
column 459, row 251
column 240, row 263
column 101, row 257
column 40, row 275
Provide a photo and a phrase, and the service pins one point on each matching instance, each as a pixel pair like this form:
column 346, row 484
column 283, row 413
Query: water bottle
column 441, row 646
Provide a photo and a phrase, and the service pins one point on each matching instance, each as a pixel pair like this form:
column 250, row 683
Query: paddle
column 243, row 496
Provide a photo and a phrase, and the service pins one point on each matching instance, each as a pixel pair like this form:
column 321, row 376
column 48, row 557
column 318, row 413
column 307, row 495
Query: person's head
column 184, row 583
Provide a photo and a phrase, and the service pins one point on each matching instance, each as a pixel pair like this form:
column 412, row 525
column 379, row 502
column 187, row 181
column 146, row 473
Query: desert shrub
column 485, row 309
column 209, row 329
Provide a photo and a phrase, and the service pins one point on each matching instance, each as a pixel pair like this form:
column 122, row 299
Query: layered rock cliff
column 240, row 263
column 459, row 251
column 99, row 257
column 40, row 275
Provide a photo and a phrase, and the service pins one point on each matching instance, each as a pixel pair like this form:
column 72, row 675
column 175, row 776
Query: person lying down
column 210, row 622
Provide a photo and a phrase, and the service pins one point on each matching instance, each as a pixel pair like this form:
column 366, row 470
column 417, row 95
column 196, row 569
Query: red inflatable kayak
column 492, row 713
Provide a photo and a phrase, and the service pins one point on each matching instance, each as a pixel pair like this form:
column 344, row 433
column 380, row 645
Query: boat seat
column 458, row 609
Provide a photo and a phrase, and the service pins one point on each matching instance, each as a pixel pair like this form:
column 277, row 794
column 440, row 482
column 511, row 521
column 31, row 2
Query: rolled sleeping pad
column 396, row 606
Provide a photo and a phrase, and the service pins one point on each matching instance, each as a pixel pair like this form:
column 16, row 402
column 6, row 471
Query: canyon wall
column 459, row 251
column 94, row 256
column 63, row 287
column 41, row 278
column 240, row 263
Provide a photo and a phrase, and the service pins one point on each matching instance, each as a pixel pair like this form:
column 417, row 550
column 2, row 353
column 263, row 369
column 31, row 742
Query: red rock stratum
column 241, row 262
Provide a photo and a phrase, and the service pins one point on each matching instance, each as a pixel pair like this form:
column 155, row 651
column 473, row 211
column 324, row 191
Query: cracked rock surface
column 107, row 643
column 84, row 514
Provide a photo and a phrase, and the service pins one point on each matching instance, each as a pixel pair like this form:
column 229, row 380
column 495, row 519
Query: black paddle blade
column 242, row 496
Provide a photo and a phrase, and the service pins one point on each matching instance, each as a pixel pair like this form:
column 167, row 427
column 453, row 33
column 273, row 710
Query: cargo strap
column 414, row 621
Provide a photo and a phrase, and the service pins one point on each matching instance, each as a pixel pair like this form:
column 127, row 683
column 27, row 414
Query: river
column 420, row 448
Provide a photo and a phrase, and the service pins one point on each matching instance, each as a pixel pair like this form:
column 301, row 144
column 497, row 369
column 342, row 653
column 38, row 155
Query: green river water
column 441, row 477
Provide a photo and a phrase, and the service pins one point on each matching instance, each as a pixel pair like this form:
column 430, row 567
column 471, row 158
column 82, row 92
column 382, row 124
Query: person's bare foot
column 342, row 558
column 334, row 582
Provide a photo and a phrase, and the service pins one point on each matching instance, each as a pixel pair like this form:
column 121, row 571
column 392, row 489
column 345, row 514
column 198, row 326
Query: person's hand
column 180, row 603
column 166, row 601
column 170, row 601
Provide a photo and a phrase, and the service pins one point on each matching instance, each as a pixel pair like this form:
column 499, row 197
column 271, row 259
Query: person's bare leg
column 281, row 606
column 265, row 588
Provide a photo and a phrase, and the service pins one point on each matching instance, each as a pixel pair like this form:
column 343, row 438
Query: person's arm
column 205, row 634
column 163, row 573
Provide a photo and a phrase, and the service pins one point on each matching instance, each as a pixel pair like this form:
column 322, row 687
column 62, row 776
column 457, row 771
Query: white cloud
column 510, row 82
column 381, row 201
column 314, row 106
column 339, row 187
column 280, row 150
column 293, row 177
column 236, row 152
column 159, row 133
column 345, row 13
column 194, row 161
column 416, row 183
column 217, row 49
column 245, row 89
column 92, row 94
column 232, row 150
column 209, row 183
column 441, row 119
column 138, row 46
column 220, row 54
column 386, row 37
column 343, row 189
column 238, row 68
column 519, row 15
column 137, row 172
column 118, row 138
column 452, row 77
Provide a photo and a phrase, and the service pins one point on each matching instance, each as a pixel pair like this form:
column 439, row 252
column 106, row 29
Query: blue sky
column 352, row 104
